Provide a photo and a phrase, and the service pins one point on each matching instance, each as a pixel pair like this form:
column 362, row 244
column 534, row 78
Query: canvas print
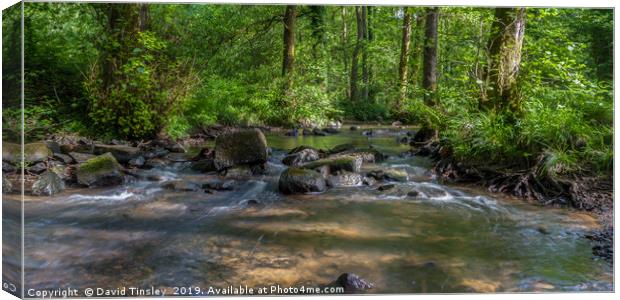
column 195, row 149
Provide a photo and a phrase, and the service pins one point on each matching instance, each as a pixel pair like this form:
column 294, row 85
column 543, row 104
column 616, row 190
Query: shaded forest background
column 527, row 86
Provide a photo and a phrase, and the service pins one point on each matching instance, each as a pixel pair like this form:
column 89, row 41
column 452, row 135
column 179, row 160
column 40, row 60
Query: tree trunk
column 404, row 58
column 289, row 45
column 429, row 80
column 345, row 36
column 358, row 47
column 144, row 16
column 365, row 72
column 505, row 44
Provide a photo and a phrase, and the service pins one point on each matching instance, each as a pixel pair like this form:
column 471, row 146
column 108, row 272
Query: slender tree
column 403, row 67
column 507, row 32
column 345, row 43
column 366, row 12
column 429, row 80
column 356, row 51
column 288, row 60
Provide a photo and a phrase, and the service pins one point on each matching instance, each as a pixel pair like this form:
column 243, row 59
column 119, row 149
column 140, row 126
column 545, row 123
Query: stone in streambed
column 80, row 157
column 48, row 183
column 218, row 185
column 341, row 163
column 353, row 283
column 102, row 170
column 299, row 158
column 240, row 147
column 301, row 181
column 345, row 179
column 123, row 154
column 38, row 168
column 7, row 186
column 386, row 187
column 64, row 158
column 204, row 166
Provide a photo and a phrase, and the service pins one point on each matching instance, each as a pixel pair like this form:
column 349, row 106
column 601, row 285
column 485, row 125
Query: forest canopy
column 527, row 85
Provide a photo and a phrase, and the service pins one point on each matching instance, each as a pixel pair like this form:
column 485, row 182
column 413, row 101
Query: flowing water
column 447, row 239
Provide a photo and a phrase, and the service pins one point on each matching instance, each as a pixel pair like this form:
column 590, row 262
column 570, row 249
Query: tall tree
column 403, row 67
column 345, row 43
column 505, row 43
column 288, row 61
column 429, row 80
column 359, row 13
column 366, row 16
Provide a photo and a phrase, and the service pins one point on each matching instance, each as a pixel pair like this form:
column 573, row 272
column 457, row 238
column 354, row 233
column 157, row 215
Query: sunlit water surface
column 447, row 239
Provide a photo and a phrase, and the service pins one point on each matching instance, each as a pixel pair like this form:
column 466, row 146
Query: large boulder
column 102, row 170
column 368, row 155
column 241, row 147
column 7, row 186
column 301, row 181
column 336, row 164
column 299, row 158
column 48, row 183
column 80, row 157
column 33, row 152
column 123, row 154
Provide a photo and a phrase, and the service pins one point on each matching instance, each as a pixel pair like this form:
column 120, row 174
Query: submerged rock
column 137, row 162
column 333, row 165
column 218, row 185
column 389, row 174
column 204, row 165
column 102, row 170
column 353, row 283
column 341, row 148
column 386, row 187
column 48, row 183
column 241, row 147
column 319, row 132
column 155, row 163
column 299, row 158
column 300, row 181
column 180, row 185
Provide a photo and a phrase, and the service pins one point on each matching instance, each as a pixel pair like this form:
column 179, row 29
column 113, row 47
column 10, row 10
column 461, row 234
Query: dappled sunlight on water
column 444, row 239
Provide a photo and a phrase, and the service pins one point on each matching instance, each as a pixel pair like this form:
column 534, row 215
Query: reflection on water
column 440, row 239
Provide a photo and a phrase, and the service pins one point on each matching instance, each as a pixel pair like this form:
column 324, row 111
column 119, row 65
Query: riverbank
column 590, row 193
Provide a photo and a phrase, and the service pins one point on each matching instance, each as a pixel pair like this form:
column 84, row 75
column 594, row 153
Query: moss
column 98, row 163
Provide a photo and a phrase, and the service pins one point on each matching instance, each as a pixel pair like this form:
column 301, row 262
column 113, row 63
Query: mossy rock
column 48, row 184
column 368, row 155
column 102, row 170
column 123, row 154
column 345, row 179
column 342, row 148
column 240, row 147
column 33, row 152
column 301, row 181
column 335, row 164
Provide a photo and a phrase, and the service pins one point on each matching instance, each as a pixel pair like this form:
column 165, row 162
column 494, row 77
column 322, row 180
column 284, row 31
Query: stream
column 446, row 239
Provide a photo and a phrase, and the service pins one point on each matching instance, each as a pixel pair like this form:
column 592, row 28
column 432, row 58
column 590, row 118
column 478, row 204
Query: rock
column 102, row 170
column 413, row 193
column 368, row 155
column 345, row 179
column 176, row 157
column 82, row 147
column 240, row 172
column 319, row 132
column 204, row 166
column 65, row 159
column 254, row 203
column 49, row 183
column 53, row 146
column 301, row 181
column 156, row 152
column 389, row 174
column 300, row 148
column 7, row 186
column 205, row 153
column 334, row 124
column 80, row 157
column 397, row 123
column 342, row 148
column 175, row 148
column 123, row 154
column 331, row 130
column 354, row 128
column 33, row 152
column 353, row 283
column 299, row 158
column 137, row 162
column 155, row 163
column 241, row 147
column 307, row 131
column 396, row 175
column 333, row 165
column 38, row 168
column 7, row 167
column 218, row 185
column 181, row 186
column 65, row 172
column 386, row 187
column 369, row 181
